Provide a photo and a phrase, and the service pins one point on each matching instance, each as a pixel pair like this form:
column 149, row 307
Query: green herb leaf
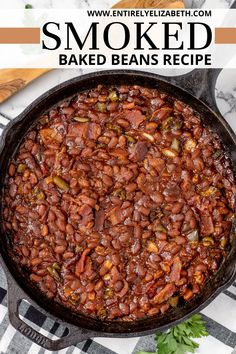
column 28, row 6
column 142, row 352
column 217, row 154
column 177, row 340
column 197, row 326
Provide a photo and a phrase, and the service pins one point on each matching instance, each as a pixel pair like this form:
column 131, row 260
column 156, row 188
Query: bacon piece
column 120, row 153
column 80, row 265
column 116, row 216
column 165, row 294
column 50, row 136
column 94, row 131
column 115, row 275
column 207, row 226
column 175, row 270
column 86, row 213
column 99, row 220
column 124, row 290
column 135, row 117
column 162, row 113
column 78, row 130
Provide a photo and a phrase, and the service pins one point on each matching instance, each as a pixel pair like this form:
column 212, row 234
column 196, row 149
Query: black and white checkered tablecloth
column 220, row 318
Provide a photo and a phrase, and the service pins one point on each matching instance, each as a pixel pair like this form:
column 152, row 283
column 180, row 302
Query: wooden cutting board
column 12, row 80
column 149, row 4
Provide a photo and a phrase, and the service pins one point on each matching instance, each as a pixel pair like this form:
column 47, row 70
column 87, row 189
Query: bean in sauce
column 119, row 202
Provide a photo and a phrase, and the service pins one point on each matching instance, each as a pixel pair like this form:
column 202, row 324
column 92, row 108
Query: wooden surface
column 151, row 4
column 12, row 80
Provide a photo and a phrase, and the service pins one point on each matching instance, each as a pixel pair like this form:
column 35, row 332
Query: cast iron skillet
column 196, row 89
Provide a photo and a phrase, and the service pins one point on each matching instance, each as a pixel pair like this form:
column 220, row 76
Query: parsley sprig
column 178, row 339
column 28, row 6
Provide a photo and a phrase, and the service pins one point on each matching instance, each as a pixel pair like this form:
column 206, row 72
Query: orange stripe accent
column 225, row 35
column 29, row 35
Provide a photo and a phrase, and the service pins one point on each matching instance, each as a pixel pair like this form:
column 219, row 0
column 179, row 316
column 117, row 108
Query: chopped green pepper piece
column 166, row 125
column 223, row 242
column 153, row 215
column 43, row 120
column 40, row 196
column 190, row 145
column 21, row 168
column 115, row 127
column 54, row 273
column 101, row 107
column 120, row 192
column 113, row 96
column 217, row 154
column 81, row 119
column 100, row 145
column 173, row 301
column 78, row 249
column 56, row 266
column 160, row 228
column 48, row 179
column 108, row 293
column 169, row 153
column 149, row 137
column 175, row 145
column 208, row 241
column 74, row 298
column 177, row 124
column 60, row 183
column 152, row 247
column 101, row 312
column 193, row 236
column 130, row 139
column 210, row 191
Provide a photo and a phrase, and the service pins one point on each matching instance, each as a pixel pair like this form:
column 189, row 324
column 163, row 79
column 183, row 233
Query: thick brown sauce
column 119, row 203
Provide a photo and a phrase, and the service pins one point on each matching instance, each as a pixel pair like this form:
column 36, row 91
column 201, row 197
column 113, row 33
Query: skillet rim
column 137, row 75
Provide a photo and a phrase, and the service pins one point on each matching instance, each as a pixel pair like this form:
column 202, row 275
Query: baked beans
column 119, row 203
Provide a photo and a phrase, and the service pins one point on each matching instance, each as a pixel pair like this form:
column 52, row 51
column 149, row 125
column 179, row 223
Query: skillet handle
column 200, row 83
column 75, row 335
